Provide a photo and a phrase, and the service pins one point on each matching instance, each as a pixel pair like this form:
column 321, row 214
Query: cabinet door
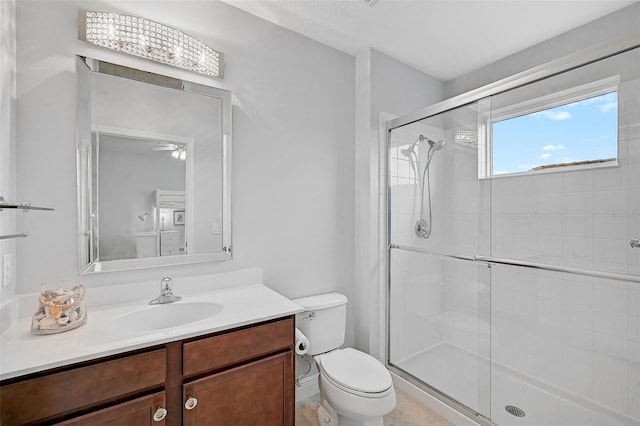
column 260, row 393
column 137, row 412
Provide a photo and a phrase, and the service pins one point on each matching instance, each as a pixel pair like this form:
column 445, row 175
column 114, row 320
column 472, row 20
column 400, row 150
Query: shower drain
column 515, row 411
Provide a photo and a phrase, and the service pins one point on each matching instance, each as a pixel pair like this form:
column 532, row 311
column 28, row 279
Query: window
column 570, row 129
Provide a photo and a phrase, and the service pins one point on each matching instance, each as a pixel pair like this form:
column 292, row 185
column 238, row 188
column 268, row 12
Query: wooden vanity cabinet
column 238, row 377
column 228, row 390
column 46, row 398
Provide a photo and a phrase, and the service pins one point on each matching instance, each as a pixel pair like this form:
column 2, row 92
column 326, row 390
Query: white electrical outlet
column 215, row 229
column 7, row 269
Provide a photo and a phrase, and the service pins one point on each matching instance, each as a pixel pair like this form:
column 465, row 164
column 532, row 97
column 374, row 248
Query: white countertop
column 22, row 352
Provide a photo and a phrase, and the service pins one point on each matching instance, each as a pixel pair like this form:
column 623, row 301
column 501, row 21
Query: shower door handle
column 635, row 243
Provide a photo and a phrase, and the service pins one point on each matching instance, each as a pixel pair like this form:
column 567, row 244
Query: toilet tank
column 323, row 321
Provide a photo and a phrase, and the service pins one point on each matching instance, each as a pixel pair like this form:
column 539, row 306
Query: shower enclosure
column 513, row 273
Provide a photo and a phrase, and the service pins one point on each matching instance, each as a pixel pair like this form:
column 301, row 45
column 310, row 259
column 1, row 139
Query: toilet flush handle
column 311, row 316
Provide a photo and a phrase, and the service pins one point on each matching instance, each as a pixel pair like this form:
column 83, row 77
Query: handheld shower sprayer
column 423, row 227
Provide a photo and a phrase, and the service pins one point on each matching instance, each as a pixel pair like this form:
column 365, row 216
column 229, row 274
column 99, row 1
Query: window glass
column 579, row 133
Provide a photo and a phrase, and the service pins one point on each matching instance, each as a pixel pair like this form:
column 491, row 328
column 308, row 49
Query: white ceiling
column 444, row 39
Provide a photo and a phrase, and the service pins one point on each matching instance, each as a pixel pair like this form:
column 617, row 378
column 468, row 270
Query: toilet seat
column 356, row 372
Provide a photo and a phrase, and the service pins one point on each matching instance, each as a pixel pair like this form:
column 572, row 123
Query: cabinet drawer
column 47, row 397
column 236, row 346
column 139, row 411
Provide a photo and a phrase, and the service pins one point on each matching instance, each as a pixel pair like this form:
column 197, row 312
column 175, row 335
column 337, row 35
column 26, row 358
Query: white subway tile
column 610, row 296
column 633, row 144
column 549, row 286
column 611, row 323
column 633, row 327
column 577, row 371
column 550, row 225
column 578, row 181
column 610, row 250
column 578, row 291
column 549, row 360
column 578, row 317
column 610, row 382
column 633, row 406
column 633, row 176
column 550, row 203
column 404, row 170
column 610, row 227
column 550, row 183
column 578, row 226
column 577, row 248
column 610, row 203
column 634, row 300
column 550, row 248
column 524, row 352
column 577, row 203
column 609, row 179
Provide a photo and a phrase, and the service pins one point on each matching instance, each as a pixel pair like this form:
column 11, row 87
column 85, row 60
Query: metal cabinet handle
column 191, row 403
column 160, row 414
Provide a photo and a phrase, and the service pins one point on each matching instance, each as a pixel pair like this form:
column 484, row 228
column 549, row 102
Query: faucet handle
column 165, row 284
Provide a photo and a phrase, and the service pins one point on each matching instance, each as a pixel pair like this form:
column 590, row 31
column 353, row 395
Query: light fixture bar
column 148, row 39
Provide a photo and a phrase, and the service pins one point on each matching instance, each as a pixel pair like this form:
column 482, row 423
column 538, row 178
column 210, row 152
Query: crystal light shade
column 151, row 40
column 466, row 137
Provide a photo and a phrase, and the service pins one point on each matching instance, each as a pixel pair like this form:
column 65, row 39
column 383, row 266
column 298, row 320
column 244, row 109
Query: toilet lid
column 356, row 370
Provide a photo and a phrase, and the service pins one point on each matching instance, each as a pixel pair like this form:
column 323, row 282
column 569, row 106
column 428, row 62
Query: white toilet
column 355, row 388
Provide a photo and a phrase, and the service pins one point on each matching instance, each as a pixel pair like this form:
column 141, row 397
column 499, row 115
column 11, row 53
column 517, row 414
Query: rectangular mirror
column 154, row 168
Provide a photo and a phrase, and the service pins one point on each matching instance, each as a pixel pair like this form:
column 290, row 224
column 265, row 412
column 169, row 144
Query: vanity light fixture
column 148, row 39
column 466, row 137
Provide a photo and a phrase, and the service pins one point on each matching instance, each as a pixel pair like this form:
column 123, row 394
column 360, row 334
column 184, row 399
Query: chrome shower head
column 407, row 152
column 433, row 146
column 436, row 146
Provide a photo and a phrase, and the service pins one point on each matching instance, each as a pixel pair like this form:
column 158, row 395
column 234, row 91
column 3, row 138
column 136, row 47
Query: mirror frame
column 84, row 173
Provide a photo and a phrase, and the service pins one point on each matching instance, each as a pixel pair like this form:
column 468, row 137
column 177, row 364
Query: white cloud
column 554, row 115
column 545, row 156
column 553, row 147
column 558, row 115
column 608, row 106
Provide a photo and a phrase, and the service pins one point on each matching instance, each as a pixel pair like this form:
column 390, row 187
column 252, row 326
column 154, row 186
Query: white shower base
column 457, row 373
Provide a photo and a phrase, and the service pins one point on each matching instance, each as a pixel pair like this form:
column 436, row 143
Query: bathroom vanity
column 231, row 372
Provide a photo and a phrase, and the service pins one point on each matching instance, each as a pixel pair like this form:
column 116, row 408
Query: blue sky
column 579, row 131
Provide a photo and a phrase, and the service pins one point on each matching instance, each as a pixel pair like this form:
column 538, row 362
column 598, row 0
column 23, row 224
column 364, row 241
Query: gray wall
column 391, row 88
column 614, row 25
column 7, row 131
column 293, row 133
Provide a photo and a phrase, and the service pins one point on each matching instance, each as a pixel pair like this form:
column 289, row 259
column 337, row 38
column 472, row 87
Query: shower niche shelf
column 25, row 207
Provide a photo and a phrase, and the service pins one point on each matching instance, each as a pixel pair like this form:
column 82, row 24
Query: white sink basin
column 163, row 316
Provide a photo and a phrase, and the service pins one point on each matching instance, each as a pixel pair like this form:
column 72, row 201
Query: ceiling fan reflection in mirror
column 178, row 151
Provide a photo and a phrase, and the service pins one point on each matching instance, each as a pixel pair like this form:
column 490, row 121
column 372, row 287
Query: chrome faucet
column 166, row 293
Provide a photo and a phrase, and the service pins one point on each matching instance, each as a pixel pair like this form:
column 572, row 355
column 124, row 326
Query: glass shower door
column 439, row 330
column 565, row 287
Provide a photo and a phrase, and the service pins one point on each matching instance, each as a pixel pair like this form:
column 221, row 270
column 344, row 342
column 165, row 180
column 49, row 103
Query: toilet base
column 327, row 416
column 367, row 421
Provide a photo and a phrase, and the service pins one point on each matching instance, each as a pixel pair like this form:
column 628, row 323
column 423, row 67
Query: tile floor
column 408, row 412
